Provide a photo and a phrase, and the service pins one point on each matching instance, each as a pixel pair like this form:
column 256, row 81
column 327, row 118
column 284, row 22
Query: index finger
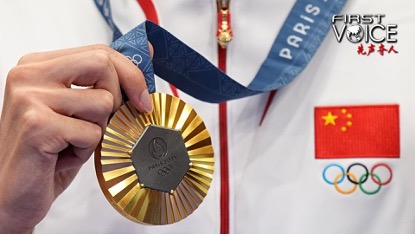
column 130, row 76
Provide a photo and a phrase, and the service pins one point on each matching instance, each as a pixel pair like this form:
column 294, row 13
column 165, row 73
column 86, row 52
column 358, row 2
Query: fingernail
column 146, row 102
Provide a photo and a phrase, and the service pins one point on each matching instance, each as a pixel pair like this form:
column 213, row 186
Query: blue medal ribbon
column 299, row 38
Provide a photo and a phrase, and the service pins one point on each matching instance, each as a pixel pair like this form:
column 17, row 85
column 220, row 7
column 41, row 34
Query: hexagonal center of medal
column 160, row 158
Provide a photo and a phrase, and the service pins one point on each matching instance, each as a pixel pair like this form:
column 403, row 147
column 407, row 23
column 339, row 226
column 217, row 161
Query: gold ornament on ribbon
column 155, row 168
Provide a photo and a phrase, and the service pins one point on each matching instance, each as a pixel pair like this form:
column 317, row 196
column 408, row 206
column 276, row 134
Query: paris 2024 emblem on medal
column 155, row 168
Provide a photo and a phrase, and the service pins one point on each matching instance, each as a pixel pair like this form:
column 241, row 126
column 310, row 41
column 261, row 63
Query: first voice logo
column 369, row 29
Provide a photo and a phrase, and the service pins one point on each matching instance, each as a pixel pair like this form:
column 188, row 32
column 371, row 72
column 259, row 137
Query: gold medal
column 155, row 168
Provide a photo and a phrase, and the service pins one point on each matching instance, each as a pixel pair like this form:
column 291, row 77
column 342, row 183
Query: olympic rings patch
column 357, row 180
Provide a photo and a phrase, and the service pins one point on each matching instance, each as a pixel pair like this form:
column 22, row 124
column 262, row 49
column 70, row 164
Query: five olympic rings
column 357, row 181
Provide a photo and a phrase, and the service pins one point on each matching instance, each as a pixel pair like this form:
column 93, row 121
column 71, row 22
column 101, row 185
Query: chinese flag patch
column 370, row 131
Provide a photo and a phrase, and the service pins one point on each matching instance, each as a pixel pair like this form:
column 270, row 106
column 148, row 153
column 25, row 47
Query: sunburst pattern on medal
column 117, row 176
